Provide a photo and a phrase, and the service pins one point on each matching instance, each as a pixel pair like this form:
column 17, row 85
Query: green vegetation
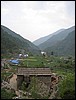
column 36, row 61
column 12, row 44
column 23, row 86
column 62, row 43
column 37, row 89
column 55, row 63
column 41, row 40
column 7, row 94
column 62, row 66
column 65, row 47
column 4, row 75
column 34, row 89
column 67, row 87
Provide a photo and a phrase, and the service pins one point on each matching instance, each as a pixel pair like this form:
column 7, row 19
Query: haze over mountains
column 65, row 47
column 14, row 43
column 61, row 42
column 45, row 38
column 56, row 38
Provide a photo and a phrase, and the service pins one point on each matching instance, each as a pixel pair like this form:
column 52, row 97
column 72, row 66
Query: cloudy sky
column 35, row 19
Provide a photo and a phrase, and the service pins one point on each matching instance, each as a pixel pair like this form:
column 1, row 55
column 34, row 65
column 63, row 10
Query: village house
column 22, row 55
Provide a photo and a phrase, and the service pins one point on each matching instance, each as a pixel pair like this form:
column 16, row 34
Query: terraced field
column 62, row 66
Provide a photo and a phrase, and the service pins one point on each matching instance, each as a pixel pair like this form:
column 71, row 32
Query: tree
column 67, row 87
column 7, row 95
column 52, row 53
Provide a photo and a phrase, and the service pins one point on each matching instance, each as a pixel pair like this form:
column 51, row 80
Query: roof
column 14, row 61
column 34, row 71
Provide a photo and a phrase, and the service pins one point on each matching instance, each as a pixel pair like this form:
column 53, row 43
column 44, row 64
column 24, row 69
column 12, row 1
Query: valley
column 58, row 55
column 61, row 66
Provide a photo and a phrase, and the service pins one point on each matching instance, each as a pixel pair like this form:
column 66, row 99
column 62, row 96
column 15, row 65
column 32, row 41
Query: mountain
column 12, row 43
column 64, row 47
column 45, row 38
column 56, row 38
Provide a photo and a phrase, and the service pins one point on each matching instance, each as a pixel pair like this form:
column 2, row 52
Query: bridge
column 25, row 74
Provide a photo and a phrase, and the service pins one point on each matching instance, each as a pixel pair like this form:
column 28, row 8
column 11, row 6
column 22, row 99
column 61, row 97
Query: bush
column 67, row 87
column 69, row 94
column 23, row 86
column 7, row 95
column 35, row 95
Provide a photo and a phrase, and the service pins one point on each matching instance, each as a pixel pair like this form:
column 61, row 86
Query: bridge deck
column 34, row 71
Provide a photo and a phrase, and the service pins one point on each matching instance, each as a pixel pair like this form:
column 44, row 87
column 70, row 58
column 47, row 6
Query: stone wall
column 46, row 79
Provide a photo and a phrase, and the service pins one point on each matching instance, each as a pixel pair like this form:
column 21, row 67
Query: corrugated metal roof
column 34, row 71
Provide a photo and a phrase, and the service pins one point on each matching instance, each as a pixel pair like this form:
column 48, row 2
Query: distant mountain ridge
column 64, row 47
column 56, row 38
column 14, row 43
column 45, row 38
column 62, row 42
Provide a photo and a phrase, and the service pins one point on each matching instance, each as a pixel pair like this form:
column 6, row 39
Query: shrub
column 67, row 87
column 7, row 95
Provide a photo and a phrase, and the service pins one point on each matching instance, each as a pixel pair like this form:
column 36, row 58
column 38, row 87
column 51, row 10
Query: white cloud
column 34, row 19
column 4, row 11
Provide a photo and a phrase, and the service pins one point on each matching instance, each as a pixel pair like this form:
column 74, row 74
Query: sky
column 35, row 19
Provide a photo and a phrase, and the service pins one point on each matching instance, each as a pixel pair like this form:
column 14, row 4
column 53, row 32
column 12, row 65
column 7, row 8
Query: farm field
column 55, row 63
column 62, row 66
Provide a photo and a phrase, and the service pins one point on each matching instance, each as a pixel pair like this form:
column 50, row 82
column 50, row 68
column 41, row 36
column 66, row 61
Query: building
column 25, row 74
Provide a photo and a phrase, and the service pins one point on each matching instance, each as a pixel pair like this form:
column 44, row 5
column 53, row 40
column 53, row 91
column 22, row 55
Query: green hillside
column 56, row 38
column 64, row 47
column 12, row 43
column 45, row 38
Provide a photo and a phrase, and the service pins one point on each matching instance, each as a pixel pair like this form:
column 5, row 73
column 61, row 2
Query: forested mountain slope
column 56, row 38
column 64, row 47
column 14, row 43
column 45, row 38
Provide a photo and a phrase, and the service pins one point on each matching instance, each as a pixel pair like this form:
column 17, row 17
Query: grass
column 53, row 62
column 4, row 75
column 7, row 95
column 31, row 59
column 56, row 64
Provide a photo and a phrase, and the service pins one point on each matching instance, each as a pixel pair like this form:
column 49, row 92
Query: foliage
column 4, row 75
column 64, row 47
column 23, row 86
column 63, row 66
column 67, row 87
column 7, row 95
column 52, row 53
column 34, row 89
column 13, row 44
